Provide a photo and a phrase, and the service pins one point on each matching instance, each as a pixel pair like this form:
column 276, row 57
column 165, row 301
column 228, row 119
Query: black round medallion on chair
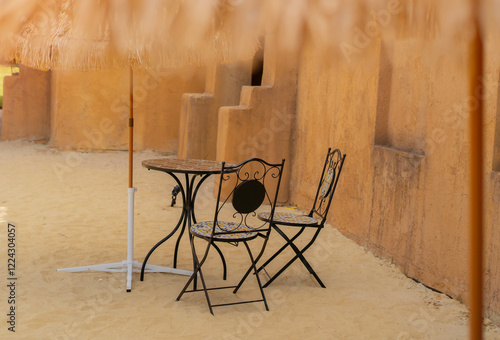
column 248, row 196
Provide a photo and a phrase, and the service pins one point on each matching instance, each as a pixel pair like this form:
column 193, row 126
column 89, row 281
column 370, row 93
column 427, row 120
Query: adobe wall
column 90, row 109
column 200, row 111
column 26, row 105
column 492, row 183
column 262, row 124
column 159, row 94
column 400, row 116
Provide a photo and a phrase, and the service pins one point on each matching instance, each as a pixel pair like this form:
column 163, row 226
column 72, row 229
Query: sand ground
column 70, row 209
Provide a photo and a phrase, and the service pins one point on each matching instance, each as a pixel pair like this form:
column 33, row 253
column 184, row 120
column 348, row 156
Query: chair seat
column 289, row 219
column 239, row 232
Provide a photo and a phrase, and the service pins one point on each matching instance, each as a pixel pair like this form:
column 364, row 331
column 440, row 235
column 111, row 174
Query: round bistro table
column 192, row 169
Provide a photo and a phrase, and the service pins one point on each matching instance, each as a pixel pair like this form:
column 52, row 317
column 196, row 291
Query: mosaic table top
column 192, row 166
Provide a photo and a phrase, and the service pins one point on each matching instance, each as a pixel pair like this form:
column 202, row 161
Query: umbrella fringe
column 93, row 35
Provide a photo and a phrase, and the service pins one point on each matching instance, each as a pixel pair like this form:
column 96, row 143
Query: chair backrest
column 246, row 187
column 327, row 184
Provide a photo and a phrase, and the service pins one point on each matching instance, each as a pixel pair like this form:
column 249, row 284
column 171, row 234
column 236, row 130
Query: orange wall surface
column 200, row 111
column 262, row 124
column 26, row 105
column 401, row 117
column 90, row 110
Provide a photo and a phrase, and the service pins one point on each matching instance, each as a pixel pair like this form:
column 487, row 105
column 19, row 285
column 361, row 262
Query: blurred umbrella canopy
column 98, row 34
column 91, row 34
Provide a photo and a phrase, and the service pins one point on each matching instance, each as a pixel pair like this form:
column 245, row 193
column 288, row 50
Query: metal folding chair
column 245, row 187
column 315, row 219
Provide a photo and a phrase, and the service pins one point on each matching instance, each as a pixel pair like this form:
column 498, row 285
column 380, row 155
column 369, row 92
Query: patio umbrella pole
column 131, row 189
column 476, row 178
column 130, row 266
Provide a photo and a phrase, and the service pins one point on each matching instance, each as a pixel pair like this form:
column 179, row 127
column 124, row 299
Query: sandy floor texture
column 70, row 209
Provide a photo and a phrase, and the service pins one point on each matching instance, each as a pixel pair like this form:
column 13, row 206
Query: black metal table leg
column 186, row 219
column 182, row 220
column 186, row 207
